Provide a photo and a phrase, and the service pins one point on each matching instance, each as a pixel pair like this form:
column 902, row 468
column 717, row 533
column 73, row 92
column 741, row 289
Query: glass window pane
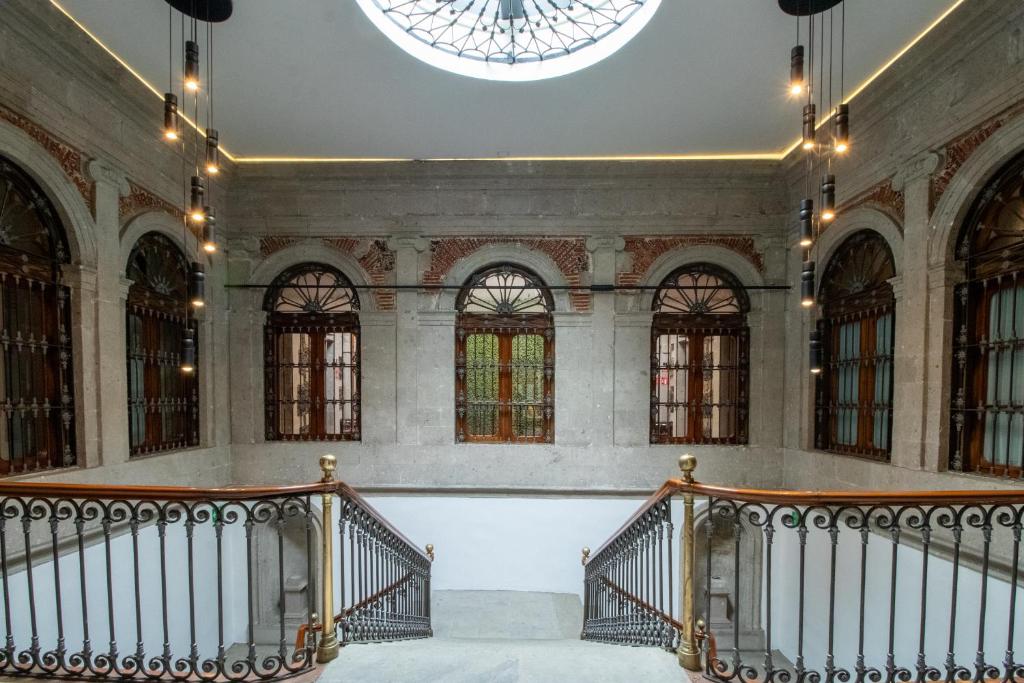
column 482, row 384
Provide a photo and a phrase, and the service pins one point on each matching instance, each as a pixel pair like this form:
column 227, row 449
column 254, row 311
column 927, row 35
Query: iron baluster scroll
column 140, row 583
column 312, row 358
column 504, row 359
column 384, row 584
column 37, row 413
column 855, row 585
column 181, row 584
column 628, row 582
column 700, row 358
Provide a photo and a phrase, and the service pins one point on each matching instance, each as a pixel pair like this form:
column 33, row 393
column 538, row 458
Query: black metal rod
column 554, row 288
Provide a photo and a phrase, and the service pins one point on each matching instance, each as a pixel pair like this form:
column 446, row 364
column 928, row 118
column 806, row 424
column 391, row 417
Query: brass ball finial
column 328, row 463
column 430, row 551
column 688, row 463
column 586, row 555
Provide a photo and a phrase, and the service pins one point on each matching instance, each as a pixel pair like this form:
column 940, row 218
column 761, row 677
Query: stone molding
column 70, row 159
column 644, row 251
column 883, row 196
column 568, row 253
column 139, row 200
column 958, row 150
column 377, row 259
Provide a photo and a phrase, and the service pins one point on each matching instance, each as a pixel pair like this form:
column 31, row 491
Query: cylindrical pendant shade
column 807, row 285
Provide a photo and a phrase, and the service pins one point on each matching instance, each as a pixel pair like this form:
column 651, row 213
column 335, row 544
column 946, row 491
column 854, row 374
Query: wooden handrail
column 855, row 497
column 823, row 498
column 642, row 604
column 669, row 488
column 345, row 490
column 25, row 489
column 348, row 611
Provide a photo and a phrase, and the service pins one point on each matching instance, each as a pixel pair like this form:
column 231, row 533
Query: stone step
column 506, row 615
column 439, row 660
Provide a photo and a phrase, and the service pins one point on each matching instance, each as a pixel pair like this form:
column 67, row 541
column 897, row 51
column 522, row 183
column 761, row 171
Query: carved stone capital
column 418, row 244
column 603, row 242
column 920, row 167
column 101, row 171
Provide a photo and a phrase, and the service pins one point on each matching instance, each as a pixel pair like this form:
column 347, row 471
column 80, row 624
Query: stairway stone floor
column 436, row 660
column 502, row 637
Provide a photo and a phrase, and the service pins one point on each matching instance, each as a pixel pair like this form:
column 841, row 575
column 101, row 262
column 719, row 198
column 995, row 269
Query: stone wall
column 88, row 132
column 573, row 224
column 927, row 134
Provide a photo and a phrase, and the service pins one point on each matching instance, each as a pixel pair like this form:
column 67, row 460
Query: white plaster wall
column 235, row 619
column 509, row 543
column 907, row 607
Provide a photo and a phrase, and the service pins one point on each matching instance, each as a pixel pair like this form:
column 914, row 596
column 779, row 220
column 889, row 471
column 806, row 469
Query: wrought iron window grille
column 312, row 356
column 700, row 357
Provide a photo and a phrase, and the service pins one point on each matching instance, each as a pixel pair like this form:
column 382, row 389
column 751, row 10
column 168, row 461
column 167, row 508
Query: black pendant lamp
column 807, row 284
column 815, row 359
column 196, row 285
column 188, row 350
column 806, row 223
column 210, row 231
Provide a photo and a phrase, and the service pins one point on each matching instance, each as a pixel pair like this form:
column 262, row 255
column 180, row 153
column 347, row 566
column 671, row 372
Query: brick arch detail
column 645, row 250
column 568, row 253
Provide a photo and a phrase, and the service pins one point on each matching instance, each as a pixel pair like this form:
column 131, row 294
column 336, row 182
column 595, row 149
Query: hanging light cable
column 841, row 123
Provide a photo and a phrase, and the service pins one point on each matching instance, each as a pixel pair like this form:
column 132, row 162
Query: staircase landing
column 502, row 637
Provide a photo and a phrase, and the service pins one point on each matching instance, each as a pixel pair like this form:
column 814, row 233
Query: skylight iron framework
column 509, row 31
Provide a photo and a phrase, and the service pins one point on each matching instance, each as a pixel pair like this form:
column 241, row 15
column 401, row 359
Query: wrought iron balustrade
column 856, row 585
column 182, row 584
column 627, row 597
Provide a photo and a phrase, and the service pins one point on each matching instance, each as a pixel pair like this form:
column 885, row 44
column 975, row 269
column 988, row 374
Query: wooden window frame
column 991, row 252
column 317, row 327
column 506, row 328
column 827, row 386
column 37, row 378
column 699, row 312
column 298, row 302
column 163, row 319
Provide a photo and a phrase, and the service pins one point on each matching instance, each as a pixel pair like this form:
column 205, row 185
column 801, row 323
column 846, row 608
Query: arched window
column 700, row 347
column 312, row 356
column 163, row 401
column 37, row 431
column 987, row 430
column 853, row 405
column 504, row 358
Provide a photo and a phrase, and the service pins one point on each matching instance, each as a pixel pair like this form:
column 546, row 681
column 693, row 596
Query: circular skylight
column 510, row 40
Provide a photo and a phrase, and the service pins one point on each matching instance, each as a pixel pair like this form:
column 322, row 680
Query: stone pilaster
column 603, row 252
column 911, row 342
column 109, row 185
column 407, row 271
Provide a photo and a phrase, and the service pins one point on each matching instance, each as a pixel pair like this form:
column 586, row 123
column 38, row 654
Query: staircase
column 502, row 637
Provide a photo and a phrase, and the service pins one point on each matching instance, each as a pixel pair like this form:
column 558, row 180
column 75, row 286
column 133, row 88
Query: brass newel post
column 328, row 647
column 689, row 652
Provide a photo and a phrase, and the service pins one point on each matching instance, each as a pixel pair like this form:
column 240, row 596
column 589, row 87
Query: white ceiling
column 314, row 78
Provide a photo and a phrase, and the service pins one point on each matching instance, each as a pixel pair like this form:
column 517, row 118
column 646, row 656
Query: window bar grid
column 854, row 390
column 699, row 384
